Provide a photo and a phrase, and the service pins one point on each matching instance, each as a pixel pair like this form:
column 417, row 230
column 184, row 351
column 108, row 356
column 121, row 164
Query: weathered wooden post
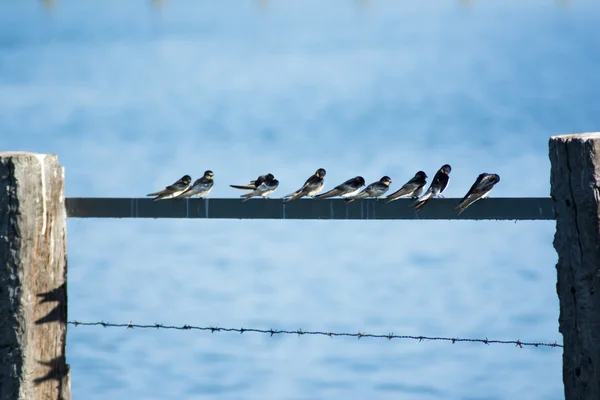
column 575, row 181
column 33, row 267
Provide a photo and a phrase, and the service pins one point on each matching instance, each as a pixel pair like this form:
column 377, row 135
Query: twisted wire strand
column 300, row 332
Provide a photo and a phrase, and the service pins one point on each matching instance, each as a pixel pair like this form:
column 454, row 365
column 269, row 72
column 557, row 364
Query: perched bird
column 312, row 186
column 349, row 188
column 439, row 183
column 265, row 188
column 412, row 188
column 255, row 183
column 375, row 189
column 200, row 188
column 481, row 188
column 173, row 190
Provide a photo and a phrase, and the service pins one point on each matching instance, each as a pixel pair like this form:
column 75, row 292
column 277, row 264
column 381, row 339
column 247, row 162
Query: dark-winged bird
column 255, row 183
column 439, row 183
column 374, row 190
column 481, row 188
column 312, row 186
column 201, row 187
column 172, row 190
column 265, row 188
column 349, row 188
column 412, row 188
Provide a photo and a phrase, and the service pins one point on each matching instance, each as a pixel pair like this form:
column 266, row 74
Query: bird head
column 360, row 180
column 446, row 169
column 208, row 174
column 186, row 179
column 320, row 173
column 421, row 175
column 386, row 180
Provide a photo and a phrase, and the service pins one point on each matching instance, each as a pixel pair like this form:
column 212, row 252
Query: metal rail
column 436, row 209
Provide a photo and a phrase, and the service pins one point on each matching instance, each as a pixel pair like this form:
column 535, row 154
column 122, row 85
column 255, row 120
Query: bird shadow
column 58, row 369
column 59, row 312
column 59, row 372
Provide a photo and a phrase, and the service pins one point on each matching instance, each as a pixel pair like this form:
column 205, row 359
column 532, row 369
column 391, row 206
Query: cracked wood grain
column 33, row 295
column 575, row 179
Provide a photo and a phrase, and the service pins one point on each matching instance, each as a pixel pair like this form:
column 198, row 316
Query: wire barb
column 300, row 332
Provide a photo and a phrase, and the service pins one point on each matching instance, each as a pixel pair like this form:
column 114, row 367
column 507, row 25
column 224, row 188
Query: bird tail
column 248, row 196
column 243, row 187
column 418, row 204
column 293, row 196
column 464, row 203
column 326, row 195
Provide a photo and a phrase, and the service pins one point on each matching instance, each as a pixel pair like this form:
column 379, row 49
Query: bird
column 172, row 190
column 255, row 183
column 312, row 186
column 413, row 188
column 437, row 186
column 201, row 187
column 265, row 188
column 349, row 188
column 481, row 188
column 375, row 189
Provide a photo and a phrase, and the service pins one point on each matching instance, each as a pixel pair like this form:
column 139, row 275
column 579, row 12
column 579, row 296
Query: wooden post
column 33, row 268
column 575, row 181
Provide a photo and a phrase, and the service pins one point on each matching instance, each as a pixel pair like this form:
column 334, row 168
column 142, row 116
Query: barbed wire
column 300, row 332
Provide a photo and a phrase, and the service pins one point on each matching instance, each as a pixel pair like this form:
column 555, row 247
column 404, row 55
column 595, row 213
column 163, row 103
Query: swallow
column 200, row 188
column 266, row 187
column 481, row 188
column 173, row 190
column 412, row 188
column 347, row 189
column 312, row 186
column 375, row 189
column 255, row 183
column 437, row 186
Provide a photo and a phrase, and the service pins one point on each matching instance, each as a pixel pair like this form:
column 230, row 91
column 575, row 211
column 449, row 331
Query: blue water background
column 132, row 95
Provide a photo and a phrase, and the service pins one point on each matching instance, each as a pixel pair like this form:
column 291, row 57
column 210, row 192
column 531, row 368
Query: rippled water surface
column 132, row 95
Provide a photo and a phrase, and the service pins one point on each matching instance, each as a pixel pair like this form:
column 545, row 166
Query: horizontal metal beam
column 486, row 209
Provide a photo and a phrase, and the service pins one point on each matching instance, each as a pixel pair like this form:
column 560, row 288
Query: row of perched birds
column 350, row 190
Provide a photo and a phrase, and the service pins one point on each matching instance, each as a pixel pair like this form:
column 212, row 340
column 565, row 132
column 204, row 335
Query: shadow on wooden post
column 575, row 181
column 33, row 294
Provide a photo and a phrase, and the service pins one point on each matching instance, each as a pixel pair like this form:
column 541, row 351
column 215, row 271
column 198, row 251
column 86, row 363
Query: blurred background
column 133, row 95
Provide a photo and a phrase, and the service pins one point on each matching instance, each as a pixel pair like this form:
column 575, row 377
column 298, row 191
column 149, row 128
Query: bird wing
column 473, row 187
column 313, row 179
column 332, row 193
column 405, row 190
column 244, row 187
